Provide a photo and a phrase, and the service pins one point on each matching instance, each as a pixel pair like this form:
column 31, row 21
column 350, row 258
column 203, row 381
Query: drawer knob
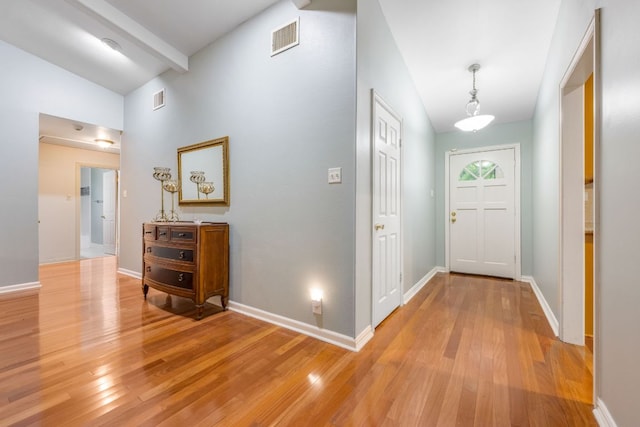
column 181, row 255
column 148, row 269
column 180, row 277
column 149, row 250
column 182, row 234
column 148, row 232
column 163, row 233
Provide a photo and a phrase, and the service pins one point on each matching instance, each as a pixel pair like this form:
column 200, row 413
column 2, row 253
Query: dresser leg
column 200, row 311
column 145, row 289
column 223, row 301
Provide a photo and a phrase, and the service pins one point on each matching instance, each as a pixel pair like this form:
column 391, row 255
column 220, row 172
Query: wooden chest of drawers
column 186, row 259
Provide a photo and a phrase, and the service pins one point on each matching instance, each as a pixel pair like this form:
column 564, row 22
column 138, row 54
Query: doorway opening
column 98, row 202
column 578, row 224
column 65, row 147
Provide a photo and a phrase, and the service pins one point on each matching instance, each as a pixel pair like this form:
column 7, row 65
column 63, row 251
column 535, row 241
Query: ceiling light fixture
column 475, row 121
column 104, row 143
column 112, row 44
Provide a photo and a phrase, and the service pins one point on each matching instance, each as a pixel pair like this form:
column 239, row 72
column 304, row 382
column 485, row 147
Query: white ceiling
column 438, row 39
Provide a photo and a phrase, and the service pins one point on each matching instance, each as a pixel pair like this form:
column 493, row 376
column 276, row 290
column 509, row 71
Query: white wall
column 495, row 134
column 59, row 197
column 618, row 288
column 381, row 67
column 289, row 118
column 30, row 86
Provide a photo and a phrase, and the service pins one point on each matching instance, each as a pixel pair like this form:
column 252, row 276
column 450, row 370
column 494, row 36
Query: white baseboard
column 363, row 338
column 603, row 416
column 551, row 318
column 20, row 287
column 416, row 288
column 130, row 273
column 325, row 335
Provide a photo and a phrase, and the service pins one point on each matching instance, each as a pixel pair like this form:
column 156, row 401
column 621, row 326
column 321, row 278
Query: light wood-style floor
column 88, row 350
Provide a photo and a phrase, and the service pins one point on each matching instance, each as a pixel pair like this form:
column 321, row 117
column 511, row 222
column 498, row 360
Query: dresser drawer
column 178, row 279
column 177, row 254
column 162, row 233
column 183, row 234
column 149, row 231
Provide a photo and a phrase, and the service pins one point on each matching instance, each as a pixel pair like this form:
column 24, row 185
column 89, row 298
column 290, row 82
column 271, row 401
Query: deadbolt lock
column 453, row 213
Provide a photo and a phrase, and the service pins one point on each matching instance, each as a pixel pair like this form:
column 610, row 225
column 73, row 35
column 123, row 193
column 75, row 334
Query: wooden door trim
column 516, row 201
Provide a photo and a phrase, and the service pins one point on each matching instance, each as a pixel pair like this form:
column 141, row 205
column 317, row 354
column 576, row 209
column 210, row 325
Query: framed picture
column 203, row 171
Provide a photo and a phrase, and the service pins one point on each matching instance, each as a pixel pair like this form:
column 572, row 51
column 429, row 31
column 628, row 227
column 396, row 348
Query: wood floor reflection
column 88, row 350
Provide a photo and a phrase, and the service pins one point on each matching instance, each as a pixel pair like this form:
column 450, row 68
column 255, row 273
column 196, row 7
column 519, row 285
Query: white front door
column 481, row 218
column 387, row 132
column 109, row 212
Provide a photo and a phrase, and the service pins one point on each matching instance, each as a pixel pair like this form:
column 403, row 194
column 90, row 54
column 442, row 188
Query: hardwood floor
column 88, row 350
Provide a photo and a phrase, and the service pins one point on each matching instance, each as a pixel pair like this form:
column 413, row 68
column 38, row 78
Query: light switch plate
column 335, row 175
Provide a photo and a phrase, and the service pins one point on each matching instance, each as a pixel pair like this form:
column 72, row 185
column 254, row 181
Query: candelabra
column 197, row 177
column 206, row 188
column 171, row 185
column 162, row 175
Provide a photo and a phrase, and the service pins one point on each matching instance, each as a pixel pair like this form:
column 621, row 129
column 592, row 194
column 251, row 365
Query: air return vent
column 285, row 37
column 158, row 99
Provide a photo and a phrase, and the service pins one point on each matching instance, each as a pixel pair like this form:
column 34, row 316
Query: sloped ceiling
column 438, row 40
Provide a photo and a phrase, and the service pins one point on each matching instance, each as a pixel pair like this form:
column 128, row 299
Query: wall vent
column 285, row 37
column 158, row 99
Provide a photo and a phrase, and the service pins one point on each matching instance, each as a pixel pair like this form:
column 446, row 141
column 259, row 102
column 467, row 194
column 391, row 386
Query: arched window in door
column 481, row 169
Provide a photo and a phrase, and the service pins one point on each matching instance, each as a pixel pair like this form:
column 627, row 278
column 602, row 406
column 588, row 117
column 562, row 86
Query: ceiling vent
column 285, row 37
column 158, row 99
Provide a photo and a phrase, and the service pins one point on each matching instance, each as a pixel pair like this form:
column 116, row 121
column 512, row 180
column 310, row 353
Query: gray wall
column 381, row 67
column 289, row 118
column 30, row 86
column 573, row 20
column 617, row 370
column 496, row 134
column 617, row 234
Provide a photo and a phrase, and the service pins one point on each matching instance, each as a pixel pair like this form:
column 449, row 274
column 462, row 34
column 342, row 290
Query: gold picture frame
column 203, row 173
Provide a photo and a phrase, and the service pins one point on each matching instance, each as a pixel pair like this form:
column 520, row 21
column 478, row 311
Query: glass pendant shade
column 474, row 123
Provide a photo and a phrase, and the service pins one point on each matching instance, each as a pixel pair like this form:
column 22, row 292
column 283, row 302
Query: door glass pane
column 471, row 172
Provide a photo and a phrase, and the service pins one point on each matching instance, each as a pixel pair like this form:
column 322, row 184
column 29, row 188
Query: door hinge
column 400, row 277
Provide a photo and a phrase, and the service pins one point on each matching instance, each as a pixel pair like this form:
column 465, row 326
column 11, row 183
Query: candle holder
column 162, row 175
column 206, row 188
column 197, row 177
column 171, row 185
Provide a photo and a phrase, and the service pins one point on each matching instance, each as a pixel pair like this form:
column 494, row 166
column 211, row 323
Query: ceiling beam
column 134, row 32
column 300, row 4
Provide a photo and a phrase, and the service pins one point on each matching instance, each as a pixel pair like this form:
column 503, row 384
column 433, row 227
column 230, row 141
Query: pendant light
column 475, row 121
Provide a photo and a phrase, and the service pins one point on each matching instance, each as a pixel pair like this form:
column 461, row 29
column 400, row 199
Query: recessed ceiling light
column 112, row 44
column 104, row 143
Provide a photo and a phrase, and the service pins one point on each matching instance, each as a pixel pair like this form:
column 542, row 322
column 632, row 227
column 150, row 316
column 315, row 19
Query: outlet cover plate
column 335, row 176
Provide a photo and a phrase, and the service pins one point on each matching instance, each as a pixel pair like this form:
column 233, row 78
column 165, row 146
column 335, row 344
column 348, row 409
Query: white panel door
column 386, row 211
column 109, row 212
column 481, row 217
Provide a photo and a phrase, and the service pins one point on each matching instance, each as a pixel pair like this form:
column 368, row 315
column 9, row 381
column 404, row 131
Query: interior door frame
column 377, row 99
column 79, row 167
column 516, row 201
column 571, row 277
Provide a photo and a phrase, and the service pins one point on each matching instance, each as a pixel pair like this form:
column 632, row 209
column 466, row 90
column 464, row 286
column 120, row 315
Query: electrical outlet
column 316, row 307
column 335, row 175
